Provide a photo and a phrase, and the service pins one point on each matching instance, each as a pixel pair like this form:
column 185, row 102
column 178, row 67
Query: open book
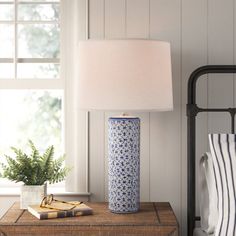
column 43, row 213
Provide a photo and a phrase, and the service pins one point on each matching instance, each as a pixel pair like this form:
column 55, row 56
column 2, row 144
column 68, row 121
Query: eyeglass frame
column 51, row 198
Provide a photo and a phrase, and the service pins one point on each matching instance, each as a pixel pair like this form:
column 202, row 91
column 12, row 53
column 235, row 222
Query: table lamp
column 125, row 76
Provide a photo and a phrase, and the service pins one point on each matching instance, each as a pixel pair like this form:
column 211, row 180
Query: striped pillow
column 224, row 162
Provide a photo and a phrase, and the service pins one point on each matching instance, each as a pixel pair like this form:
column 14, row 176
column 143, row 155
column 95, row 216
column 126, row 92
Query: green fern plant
column 34, row 169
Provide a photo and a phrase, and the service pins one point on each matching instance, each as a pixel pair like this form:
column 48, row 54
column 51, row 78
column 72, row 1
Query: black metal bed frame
column 192, row 111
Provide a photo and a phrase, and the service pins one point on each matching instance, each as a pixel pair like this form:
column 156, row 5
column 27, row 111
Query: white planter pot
column 32, row 195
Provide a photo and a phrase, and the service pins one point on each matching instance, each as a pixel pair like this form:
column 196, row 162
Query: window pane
column 38, row 41
column 31, row 114
column 6, row 12
column 6, row 70
column 6, row 40
column 38, row 12
column 38, row 70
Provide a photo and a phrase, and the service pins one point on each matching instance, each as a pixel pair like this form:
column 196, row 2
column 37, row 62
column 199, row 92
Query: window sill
column 14, row 191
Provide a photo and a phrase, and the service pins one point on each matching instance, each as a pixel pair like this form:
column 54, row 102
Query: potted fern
column 35, row 171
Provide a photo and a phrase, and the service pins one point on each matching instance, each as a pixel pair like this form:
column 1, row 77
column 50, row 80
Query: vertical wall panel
column 115, row 28
column 115, row 18
column 165, row 131
column 138, row 11
column 96, row 156
column 137, row 18
column 96, row 123
column 194, row 54
column 220, row 51
column 96, row 19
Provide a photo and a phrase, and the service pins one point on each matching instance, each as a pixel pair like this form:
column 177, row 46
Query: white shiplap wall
column 201, row 32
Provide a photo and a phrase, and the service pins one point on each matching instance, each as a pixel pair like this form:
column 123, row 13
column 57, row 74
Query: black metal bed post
column 191, row 141
column 191, row 136
column 192, row 111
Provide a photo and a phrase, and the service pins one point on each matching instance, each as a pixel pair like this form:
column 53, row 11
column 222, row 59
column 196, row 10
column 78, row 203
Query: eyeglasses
column 51, row 203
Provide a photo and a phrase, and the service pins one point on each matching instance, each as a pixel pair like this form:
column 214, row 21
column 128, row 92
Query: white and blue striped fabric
column 223, row 150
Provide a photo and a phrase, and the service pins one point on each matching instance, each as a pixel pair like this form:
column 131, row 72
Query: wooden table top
column 150, row 214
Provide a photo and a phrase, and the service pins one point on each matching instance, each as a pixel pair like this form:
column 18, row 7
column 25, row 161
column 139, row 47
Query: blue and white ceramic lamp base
column 124, row 164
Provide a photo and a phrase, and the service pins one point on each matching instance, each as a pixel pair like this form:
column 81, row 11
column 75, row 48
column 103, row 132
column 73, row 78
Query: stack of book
column 60, row 210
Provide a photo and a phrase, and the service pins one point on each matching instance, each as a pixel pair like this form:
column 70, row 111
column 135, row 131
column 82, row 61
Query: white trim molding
column 74, row 27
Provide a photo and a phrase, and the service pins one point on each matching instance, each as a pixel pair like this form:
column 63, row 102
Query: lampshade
column 124, row 75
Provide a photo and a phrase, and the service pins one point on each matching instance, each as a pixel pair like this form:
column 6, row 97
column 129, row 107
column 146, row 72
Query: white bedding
column 199, row 232
column 208, row 196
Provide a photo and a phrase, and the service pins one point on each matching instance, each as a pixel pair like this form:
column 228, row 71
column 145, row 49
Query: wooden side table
column 153, row 219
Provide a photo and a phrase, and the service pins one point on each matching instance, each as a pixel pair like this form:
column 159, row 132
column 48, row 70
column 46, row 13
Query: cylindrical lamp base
column 124, row 164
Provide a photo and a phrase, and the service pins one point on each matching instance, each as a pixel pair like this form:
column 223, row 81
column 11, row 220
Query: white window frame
column 82, row 124
column 77, row 122
column 29, row 83
column 15, row 22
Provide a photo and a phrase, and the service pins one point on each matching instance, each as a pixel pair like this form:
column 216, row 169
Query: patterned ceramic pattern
column 124, row 164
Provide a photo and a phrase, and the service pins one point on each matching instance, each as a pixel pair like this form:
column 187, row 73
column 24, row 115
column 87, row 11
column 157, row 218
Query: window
column 31, row 113
column 29, row 39
column 31, row 90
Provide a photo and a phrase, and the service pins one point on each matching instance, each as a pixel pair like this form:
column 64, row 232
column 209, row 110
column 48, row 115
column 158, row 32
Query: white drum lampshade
column 124, row 75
